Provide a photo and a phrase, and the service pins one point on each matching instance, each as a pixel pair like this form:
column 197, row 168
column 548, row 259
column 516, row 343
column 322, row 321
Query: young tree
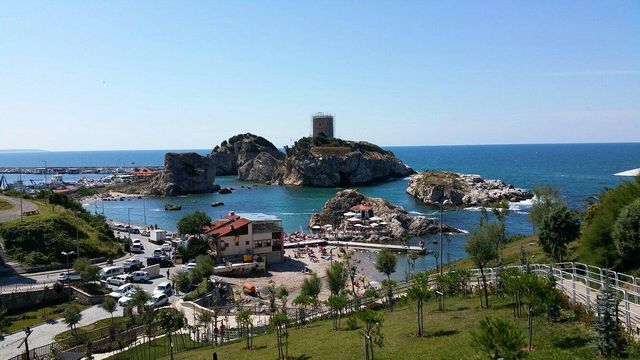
column 311, row 286
column 626, row 234
column 194, row 247
column 500, row 339
column 282, row 293
column 182, row 280
column 546, row 197
column 557, row 228
column 109, row 305
column 72, row 317
column 554, row 298
column 204, row 266
column 139, row 299
column 464, row 276
column 280, row 325
column 534, row 290
column 336, row 277
column 481, row 247
column 337, row 302
column 302, row 301
column 170, row 320
column 386, row 264
column 610, row 339
column 193, row 224
column 245, row 323
column 500, row 210
column 420, row 292
column 372, row 331
column 87, row 271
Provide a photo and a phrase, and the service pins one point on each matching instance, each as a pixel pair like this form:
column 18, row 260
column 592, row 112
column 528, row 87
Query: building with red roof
column 366, row 211
column 247, row 236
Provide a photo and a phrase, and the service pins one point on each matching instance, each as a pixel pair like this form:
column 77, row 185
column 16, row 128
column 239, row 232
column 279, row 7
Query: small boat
column 171, row 207
column 217, row 203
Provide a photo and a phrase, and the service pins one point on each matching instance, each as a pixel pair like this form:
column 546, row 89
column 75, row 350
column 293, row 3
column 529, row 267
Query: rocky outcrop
column 400, row 224
column 263, row 168
column 184, row 173
column 326, row 162
column 434, row 187
column 240, row 150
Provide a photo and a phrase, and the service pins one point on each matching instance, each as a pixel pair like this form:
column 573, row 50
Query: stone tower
column 322, row 124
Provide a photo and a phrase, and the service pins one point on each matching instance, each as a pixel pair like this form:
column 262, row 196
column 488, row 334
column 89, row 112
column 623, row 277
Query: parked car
column 69, row 276
column 124, row 299
column 138, row 276
column 145, row 233
column 120, row 291
column 163, row 288
column 157, row 252
column 132, row 264
column 118, row 280
column 110, row 271
column 189, row 266
column 158, row 300
column 162, row 260
column 136, row 241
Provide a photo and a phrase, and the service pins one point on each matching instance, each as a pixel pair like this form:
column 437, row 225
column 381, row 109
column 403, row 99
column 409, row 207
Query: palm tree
column 109, row 305
column 72, row 317
column 420, row 292
column 311, row 287
column 500, row 339
column 336, row 277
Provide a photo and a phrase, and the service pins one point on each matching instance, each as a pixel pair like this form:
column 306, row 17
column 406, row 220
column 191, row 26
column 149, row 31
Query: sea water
column 578, row 170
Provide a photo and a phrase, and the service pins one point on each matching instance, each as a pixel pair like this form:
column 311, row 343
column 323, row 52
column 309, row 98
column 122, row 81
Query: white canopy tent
column 375, row 218
column 354, row 219
column 358, row 225
column 316, row 227
column 348, row 214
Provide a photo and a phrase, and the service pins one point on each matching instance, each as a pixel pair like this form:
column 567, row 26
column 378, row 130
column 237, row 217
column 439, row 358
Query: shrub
column 626, row 234
column 499, row 338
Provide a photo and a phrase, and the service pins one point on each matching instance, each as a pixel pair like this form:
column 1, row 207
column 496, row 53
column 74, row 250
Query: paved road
column 14, row 213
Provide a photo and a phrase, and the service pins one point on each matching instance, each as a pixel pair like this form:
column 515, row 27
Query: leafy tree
column 626, row 234
column 534, row 291
column 87, row 271
column 311, row 287
column 302, row 301
column 4, row 321
column 481, row 248
column 500, row 210
column 204, row 266
column 336, row 277
column 420, row 292
column 139, row 299
column 500, row 339
column 195, row 246
column 546, row 197
column 182, row 280
column 464, row 277
column 280, row 325
column 337, row 302
column 109, row 305
column 610, row 338
column 554, row 298
column 372, row 331
column 170, row 321
column 245, row 323
column 193, row 224
column 386, row 264
column 72, row 317
column 282, row 293
column 557, row 228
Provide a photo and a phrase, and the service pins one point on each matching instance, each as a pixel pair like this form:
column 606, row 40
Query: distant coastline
column 10, row 151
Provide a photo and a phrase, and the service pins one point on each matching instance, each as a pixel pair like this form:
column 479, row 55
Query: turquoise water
column 579, row 170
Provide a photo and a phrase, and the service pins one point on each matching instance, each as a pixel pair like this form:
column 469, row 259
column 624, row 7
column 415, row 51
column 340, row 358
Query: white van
column 110, row 271
column 163, row 288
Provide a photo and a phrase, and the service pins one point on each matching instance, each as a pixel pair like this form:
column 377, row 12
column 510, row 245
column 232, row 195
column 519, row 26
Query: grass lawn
column 448, row 336
column 157, row 348
column 37, row 316
column 4, row 205
column 96, row 330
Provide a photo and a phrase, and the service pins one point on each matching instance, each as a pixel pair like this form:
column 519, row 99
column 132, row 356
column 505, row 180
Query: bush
column 626, row 234
column 352, row 323
column 500, row 339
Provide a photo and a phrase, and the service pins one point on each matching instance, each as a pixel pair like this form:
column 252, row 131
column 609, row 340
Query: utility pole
column 68, row 280
column 77, row 242
column 144, row 211
column 129, row 221
column 442, row 204
column 27, row 332
column 45, row 171
column 21, row 214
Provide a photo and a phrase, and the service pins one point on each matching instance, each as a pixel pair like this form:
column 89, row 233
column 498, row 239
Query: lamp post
column 129, row 221
column 442, row 204
column 68, row 280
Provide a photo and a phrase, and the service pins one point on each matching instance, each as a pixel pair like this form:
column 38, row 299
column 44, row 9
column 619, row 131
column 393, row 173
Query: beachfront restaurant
column 247, row 238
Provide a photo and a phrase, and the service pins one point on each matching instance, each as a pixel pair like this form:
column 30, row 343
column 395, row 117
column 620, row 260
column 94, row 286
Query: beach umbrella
column 347, row 214
column 375, row 218
column 316, row 227
column 373, row 224
column 382, row 223
column 353, row 220
column 328, row 226
column 358, row 225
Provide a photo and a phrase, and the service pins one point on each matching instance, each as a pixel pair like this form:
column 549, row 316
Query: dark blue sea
column 578, row 170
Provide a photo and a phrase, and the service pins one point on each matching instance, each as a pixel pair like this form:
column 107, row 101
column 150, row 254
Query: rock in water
column 241, row 149
column 263, row 168
column 332, row 162
column 184, row 173
column 434, row 187
column 400, row 223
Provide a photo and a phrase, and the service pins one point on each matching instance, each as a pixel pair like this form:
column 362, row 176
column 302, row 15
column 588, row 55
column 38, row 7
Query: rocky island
column 184, row 173
column 249, row 156
column 330, row 162
column 464, row 190
column 396, row 221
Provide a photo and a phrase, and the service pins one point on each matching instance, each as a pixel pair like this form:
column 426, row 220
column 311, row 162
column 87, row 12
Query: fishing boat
column 217, row 203
column 171, row 207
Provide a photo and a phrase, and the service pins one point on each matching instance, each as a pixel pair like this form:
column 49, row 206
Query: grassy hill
column 449, row 335
column 39, row 239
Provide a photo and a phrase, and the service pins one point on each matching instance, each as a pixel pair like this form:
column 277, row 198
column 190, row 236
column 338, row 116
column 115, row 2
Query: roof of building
column 361, row 207
column 226, row 226
column 258, row 217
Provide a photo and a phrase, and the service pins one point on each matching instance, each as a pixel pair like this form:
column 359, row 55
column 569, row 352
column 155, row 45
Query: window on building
column 237, row 241
column 258, row 243
column 268, row 242
column 247, row 242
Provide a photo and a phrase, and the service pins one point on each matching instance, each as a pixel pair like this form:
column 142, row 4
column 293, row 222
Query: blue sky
column 151, row 75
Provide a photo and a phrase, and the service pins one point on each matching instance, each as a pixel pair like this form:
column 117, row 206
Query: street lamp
column 68, row 278
column 129, row 221
column 442, row 204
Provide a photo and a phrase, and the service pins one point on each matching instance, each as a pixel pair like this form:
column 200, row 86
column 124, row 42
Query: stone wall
column 29, row 299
